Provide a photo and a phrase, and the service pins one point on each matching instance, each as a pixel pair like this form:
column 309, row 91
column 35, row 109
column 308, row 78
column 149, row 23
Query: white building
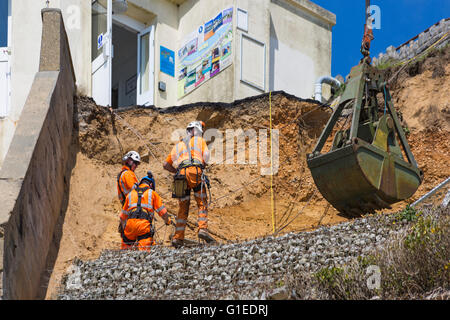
column 169, row 52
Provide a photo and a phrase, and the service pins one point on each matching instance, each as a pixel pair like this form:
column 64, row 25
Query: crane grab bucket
column 366, row 169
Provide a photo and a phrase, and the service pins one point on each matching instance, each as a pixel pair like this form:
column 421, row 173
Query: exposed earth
column 241, row 199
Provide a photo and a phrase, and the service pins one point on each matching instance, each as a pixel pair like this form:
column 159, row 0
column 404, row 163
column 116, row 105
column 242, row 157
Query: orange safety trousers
column 133, row 230
column 193, row 177
column 137, row 232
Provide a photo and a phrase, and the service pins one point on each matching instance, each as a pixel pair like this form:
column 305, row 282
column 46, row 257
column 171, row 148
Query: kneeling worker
column 187, row 160
column 137, row 215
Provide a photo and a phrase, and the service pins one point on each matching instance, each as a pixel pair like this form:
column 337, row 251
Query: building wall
column 26, row 36
column 293, row 63
column 192, row 14
column 272, row 22
column 77, row 19
column 258, row 29
column 296, row 62
column 25, row 39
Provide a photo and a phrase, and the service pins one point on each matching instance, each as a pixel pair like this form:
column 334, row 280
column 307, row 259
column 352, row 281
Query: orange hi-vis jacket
column 126, row 181
column 199, row 152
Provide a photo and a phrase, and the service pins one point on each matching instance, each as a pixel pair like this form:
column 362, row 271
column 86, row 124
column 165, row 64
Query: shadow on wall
column 273, row 47
column 53, row 249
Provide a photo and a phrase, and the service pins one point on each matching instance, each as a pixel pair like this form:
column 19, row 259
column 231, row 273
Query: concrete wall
column 296, row 62
column 35, row 175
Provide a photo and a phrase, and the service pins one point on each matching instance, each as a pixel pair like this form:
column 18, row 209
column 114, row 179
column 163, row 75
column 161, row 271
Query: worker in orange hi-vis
column 127, row 180
column 187, row 161
column 138, row 213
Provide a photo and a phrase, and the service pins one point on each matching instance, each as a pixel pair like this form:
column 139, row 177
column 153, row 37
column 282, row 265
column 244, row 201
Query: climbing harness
column 139, row 213
column 180, row 186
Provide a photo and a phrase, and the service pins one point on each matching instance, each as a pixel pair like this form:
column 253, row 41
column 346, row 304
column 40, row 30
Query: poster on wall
column 205, row 52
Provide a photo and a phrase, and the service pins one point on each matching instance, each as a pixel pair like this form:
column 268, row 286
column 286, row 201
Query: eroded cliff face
column 241, row 200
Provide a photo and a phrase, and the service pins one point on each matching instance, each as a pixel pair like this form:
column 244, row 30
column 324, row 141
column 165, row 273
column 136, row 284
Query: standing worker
column 137, row 215
column 126, row 180
column 187, row 160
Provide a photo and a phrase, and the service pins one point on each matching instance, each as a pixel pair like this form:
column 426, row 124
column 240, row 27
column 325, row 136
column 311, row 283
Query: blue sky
column 400, row 21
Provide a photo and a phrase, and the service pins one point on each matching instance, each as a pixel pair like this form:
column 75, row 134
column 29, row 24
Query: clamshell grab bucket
column 360, row 178
column 365, row 169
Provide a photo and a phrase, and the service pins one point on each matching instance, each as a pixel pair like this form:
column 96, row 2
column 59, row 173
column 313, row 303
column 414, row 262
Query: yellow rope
column 425, row 51
column 271, row 165
column 404, row 64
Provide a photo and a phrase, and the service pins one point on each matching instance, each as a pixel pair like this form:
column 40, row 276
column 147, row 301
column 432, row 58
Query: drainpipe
column 318, row 86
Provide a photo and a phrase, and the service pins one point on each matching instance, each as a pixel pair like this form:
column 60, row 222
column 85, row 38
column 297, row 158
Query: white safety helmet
column 133, row 155
column 195, row 124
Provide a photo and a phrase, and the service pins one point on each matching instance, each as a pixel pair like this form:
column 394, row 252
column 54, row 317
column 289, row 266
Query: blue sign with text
column 167, row 61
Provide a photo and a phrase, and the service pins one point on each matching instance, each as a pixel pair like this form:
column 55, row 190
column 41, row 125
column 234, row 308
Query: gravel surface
column 246, row 270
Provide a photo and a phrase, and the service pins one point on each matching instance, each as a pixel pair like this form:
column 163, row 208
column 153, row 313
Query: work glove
column 169, row 221
column 120, row 228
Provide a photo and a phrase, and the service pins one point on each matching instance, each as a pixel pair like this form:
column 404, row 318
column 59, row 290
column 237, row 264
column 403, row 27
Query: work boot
column 204, row 235
column 177, row 243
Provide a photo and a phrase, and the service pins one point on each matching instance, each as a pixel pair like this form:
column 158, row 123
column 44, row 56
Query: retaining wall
column 35, row 176
column 416, row 45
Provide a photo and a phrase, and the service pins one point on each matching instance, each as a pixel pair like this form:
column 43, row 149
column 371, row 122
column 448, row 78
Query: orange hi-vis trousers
column 134, row 230
column 183, row 213
column 137, row 218
column 201, row 198
column 142, row 245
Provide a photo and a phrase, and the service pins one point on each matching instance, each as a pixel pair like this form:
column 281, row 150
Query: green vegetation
column 409, row 214
column 389, row 63
column 412, row 264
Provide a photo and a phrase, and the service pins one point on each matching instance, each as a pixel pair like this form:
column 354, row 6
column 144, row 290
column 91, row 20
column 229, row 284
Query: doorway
column 124, row 72
column 123, row 54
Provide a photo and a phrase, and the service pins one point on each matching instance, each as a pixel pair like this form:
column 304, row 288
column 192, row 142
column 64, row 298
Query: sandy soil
column 241, row 198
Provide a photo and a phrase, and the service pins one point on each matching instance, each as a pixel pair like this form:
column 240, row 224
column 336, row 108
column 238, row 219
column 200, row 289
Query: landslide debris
column 241, row 199
column 420, row 91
